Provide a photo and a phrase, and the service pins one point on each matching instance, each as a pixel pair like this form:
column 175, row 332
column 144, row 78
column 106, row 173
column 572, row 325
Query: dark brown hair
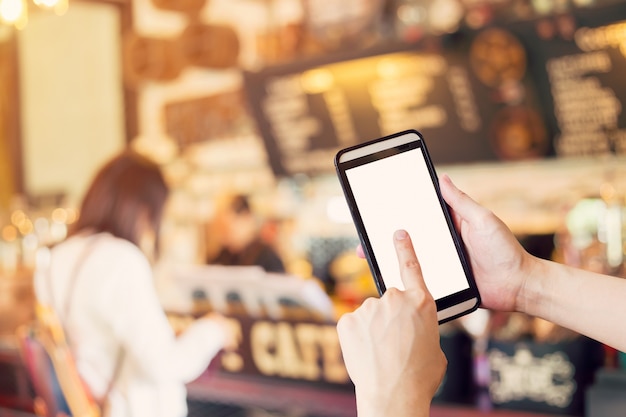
column 125, row 189
column 240, row 204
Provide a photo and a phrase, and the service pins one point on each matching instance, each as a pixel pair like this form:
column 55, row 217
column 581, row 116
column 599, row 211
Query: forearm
column 588, row 303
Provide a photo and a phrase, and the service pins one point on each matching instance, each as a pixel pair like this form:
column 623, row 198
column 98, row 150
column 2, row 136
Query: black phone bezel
column 443, row 303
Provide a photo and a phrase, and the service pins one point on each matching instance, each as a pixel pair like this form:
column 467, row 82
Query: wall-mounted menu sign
column 550, row 87
column 587, row 110
column 580, row 67
column 307, row 112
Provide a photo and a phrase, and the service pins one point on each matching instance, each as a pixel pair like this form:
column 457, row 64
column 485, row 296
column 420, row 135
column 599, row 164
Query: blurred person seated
column 241, row 237
column 100, row 283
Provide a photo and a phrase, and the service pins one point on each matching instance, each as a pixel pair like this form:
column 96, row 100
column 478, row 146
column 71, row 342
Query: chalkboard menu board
column 501, row 93
column 307, row 112
column 579, row 68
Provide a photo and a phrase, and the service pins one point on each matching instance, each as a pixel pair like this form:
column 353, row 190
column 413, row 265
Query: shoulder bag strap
column 68, row 304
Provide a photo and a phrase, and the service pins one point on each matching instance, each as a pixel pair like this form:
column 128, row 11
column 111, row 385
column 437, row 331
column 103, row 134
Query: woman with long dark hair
column 100, row 283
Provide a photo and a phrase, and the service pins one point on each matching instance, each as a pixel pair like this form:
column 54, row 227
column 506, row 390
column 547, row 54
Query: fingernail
column 447, row 179
column 400, row 234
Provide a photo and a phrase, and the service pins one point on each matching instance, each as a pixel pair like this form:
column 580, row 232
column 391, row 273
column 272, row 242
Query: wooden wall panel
column 10, row 149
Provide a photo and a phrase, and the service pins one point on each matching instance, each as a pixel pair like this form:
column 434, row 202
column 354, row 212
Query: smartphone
column 390, row 183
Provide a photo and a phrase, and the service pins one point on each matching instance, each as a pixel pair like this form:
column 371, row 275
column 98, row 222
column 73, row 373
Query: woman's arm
column 511, row 279
column 586, row 302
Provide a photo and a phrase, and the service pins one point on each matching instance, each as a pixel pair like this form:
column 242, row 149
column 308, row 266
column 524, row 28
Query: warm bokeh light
column 389, row 68
column 9, row 233
column 59, row 6
column 317, row 81
column 26, row 227
column 18, row 217
column 14, row 12
column 59, row 215
column 411, row 14
column 72, row 215
column 46, row 3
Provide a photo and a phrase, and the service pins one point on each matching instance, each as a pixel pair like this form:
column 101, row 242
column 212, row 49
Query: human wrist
column 531, row 291
column 392, row 405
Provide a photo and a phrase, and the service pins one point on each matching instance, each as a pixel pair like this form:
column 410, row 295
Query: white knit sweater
column 115, row 306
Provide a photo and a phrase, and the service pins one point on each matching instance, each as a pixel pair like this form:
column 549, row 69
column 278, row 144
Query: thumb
column 461, row 204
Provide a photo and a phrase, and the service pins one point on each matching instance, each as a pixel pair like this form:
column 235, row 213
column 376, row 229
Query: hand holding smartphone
column 390, row 183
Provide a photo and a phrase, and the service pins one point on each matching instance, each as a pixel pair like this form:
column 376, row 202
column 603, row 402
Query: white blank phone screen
column 397, row 193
